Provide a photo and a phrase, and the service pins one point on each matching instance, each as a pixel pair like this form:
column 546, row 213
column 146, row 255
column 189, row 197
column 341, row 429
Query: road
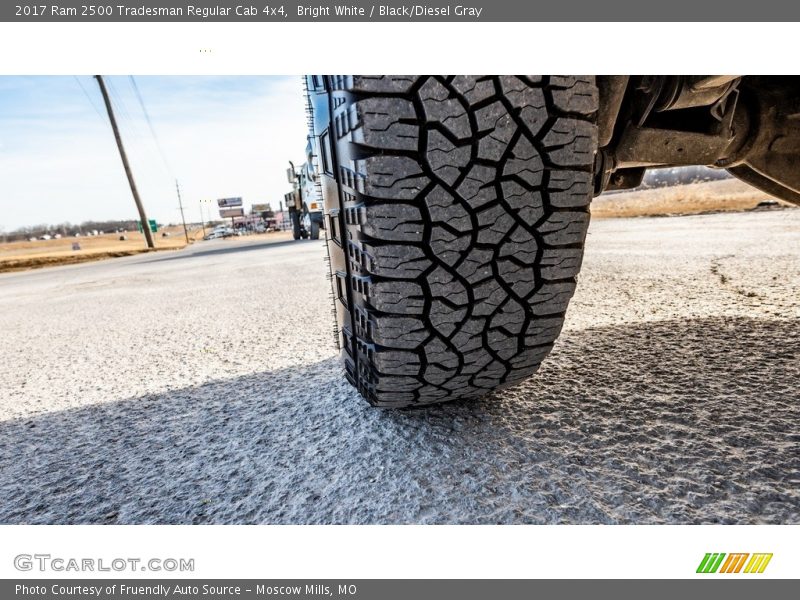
column 202, row 386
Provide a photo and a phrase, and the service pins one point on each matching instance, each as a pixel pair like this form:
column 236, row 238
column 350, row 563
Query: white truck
column 304, row 202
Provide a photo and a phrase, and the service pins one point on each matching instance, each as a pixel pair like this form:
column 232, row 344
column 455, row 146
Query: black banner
column 398, row 589
column 394, row 11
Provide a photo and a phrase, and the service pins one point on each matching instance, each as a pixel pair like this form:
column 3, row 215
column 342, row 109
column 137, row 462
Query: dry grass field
column 693, row 199
column 17, row 256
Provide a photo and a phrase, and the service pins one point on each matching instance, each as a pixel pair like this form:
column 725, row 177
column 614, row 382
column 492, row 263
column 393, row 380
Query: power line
column 139, row 142
column 150, row 125
column 125, row 115
column 159, row 148
column 89, row 98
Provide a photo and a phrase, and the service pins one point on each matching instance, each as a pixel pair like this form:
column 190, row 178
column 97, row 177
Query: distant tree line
column 67, row 229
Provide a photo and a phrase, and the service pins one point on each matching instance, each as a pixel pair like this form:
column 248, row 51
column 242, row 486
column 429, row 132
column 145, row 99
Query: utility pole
column 148, row 235
column 183, row 219
column 202, row 219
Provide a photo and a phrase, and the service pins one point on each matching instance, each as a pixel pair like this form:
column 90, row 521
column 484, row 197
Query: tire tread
column 465, row 209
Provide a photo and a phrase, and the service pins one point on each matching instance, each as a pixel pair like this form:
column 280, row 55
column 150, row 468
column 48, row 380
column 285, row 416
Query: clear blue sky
column 221, row 136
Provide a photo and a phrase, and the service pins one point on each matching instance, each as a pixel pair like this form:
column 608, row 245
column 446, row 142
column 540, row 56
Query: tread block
column 380, row 123
column 552, row 298
column 574, row 94
column 446, row 159
column 443, row 284
column 398, row 297
column 399, row 332
column 443, row 109
column 390, row 177
column 571, row 143
column 396, row 261
column 442, row 207
column 392, row 222
column 562, row 263
column 438, row 353
column 520, row 244
column 565, row 228
column 570, row 189
column 389, row 84
column 529, row 102
column 474, row 88
column 397, row 362
column 477, row 188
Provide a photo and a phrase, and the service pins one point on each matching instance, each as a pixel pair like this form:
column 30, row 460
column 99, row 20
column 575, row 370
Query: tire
column 295, row 217
column 314, row 230
column 463, row 208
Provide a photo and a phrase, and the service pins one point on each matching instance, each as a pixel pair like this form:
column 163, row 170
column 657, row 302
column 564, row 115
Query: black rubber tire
column 295, row 218
column 463, row 206
column 314, row 230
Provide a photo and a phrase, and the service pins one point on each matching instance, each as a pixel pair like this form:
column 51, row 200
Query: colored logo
column 719, row 562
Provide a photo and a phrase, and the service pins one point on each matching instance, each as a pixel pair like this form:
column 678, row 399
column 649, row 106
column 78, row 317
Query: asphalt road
column 201, row 386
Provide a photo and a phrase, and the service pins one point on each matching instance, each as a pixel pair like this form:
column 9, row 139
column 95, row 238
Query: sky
column 219, row 137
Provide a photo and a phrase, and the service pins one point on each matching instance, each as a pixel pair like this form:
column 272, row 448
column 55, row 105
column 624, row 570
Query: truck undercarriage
column 747, row 125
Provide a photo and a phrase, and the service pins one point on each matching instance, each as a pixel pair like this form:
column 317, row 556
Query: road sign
column 261, row 208
column 229, row 202
column 227, row 213
column 153, row 225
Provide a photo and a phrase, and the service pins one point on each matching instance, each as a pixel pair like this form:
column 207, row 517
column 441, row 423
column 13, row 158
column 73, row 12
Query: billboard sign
column 229, row 202
column 257, row 208
column 227, row 213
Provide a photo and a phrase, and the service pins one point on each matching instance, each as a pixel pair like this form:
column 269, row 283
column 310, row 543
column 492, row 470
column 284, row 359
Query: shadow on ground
column 691, row 421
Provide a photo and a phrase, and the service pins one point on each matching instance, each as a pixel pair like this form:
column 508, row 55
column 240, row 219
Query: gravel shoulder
column 202, row 386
